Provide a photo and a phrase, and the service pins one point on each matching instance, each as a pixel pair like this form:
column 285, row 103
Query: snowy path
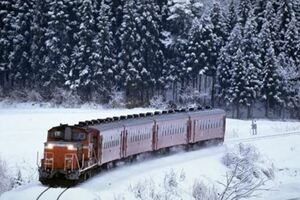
column 272, row 141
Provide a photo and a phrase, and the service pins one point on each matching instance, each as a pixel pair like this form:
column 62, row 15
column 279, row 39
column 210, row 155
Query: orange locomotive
column 73, row 153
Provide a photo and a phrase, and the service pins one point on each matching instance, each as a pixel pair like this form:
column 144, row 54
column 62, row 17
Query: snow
column 23, row 130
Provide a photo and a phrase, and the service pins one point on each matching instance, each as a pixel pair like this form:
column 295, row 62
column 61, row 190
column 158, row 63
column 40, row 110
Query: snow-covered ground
column 23, row 131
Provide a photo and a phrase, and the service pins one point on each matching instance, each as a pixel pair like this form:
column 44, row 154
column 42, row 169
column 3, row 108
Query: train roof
column 149, row 119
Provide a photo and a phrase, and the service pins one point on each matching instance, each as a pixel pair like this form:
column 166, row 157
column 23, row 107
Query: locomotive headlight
column 71, row 147
column 49, row 146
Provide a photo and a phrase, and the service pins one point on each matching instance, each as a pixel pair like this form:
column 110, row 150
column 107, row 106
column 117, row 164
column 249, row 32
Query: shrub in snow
column 165, row 190
column 24, row 95
column 5, row 180
column 248, row 159
column 158, row 102
column 118, row 197
column 18, row 180
column 247, row 174
column 67, row 98
column 191, row 96
column 145, row 190
column 201, row 191
column 171, row 180
column 117, row 99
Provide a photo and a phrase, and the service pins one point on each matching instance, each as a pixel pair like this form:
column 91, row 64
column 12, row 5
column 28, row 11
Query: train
column 73, row 153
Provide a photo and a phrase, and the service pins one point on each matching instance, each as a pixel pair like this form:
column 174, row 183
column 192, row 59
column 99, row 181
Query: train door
column 123, row 143
column 100, row 149
column 154, row 136
column 189, row 130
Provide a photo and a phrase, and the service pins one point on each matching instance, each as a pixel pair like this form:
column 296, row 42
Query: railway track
column 263, row 137
column 47, row 189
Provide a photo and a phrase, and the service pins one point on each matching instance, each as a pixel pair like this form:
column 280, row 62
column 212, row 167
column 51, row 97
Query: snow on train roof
column 150, row 119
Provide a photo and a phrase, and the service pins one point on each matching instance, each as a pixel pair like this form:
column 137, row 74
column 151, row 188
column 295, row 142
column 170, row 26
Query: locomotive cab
column 68, row 152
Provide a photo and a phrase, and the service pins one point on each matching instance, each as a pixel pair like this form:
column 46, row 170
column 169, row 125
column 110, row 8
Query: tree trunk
column 174, row 91
column 213, row 91
column 205, row 89
column 237, row 110
column 248, row 112
column 267, row 109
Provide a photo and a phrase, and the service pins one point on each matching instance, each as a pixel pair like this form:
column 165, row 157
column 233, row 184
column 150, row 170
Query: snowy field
column 23, row 130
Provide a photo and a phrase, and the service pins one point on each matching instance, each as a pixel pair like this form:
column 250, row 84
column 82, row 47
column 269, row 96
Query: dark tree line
column 242, row 52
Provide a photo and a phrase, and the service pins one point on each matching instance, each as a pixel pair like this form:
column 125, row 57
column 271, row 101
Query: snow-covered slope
column 23, row 131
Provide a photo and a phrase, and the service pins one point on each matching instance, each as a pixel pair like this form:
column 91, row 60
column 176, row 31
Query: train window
column 56, row 135
column 78, row 136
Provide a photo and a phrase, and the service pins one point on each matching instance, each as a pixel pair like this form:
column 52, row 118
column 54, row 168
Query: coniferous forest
column 242, row 55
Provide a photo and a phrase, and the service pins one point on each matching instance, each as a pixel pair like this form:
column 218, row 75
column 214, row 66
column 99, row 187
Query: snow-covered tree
column 230, row 18
column 291, row 43
column 106, row 72
column 85, row 57
column 272, row 88
column 6, row 41
column 225, row 65
column 19, row 58
column 56, row 58
column 38, row 44
column 151, row 46
column 243, row 9
column 239, row 82
column 130, row 58
column 251, row 57
column 284, row 16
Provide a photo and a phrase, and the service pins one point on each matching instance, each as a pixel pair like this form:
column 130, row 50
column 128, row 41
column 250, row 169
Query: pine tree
column 272, row 89
column 56, row 59
column 7, row 19
column 230, row 18
column 238, row 82
column 107, row 71
column 38, row 44
column 130, row 58
column 291, row 41
column 19, row 58
column 258, row 10
column 284, row 16
column 243, row 10
column 225, row 64
column 85, row 58
column 150, row 31
column 289, row 74
column 252, row 60
column 219, row 30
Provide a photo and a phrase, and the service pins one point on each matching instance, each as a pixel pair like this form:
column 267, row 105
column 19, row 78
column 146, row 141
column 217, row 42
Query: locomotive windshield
column 62, row 136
